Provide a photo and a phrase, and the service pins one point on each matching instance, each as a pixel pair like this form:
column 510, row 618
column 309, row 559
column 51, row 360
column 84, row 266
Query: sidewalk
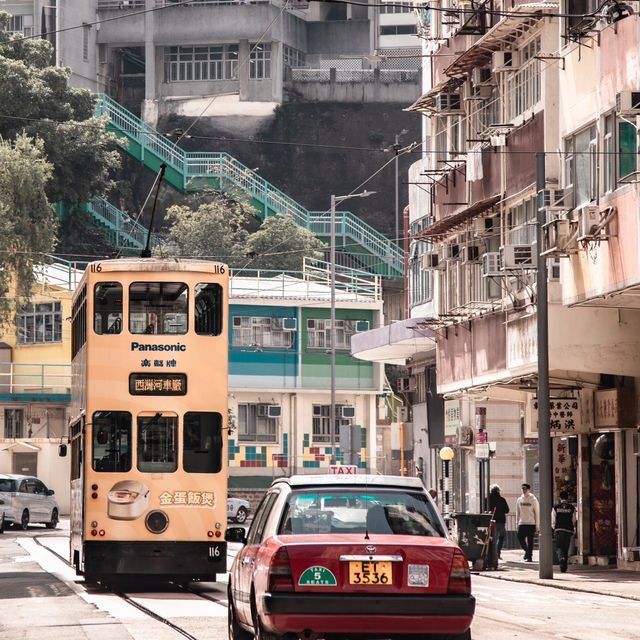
column 603, row 580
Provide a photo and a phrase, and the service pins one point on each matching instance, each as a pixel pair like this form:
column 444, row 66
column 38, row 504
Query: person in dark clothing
column 499, row 507
column 563, row 524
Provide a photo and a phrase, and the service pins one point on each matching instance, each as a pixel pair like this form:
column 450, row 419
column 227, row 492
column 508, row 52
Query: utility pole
column 544, row 435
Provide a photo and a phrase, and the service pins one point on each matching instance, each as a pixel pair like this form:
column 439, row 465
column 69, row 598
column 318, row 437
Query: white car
column 25, row 500
column 238, row 509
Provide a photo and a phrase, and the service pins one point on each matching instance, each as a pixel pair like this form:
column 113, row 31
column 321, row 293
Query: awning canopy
column 513, row 26
column 427, row 102
column 394, row 343
column 445, row 226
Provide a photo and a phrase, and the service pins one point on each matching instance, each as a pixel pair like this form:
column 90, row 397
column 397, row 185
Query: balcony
column 35, row 382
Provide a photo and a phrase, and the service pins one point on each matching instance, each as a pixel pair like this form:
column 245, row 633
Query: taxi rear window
column 7, row 485
column 360, row 510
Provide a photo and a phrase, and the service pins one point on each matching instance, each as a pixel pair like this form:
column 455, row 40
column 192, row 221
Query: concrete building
column 529, row 109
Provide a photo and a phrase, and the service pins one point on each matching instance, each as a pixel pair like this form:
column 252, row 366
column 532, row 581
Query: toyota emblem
column 370, row 548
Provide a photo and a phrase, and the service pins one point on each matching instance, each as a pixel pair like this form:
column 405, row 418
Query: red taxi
column 340, row 557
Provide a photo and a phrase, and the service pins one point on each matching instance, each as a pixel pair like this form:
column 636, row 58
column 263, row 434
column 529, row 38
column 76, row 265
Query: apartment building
column 526, row 111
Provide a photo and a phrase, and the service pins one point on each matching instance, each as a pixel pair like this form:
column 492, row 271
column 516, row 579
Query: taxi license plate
column 370, row 572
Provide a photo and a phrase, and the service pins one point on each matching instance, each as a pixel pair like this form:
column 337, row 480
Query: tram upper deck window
column 157, row 443
column 107, row 307
column 158, row 308
column 111, row 441
column 208, row 309
column 202, row 451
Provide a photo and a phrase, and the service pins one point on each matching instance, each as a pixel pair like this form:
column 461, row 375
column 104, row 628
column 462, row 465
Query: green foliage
column 37, row 100
column 27, row 221
column 281, row 244
column 215, row 230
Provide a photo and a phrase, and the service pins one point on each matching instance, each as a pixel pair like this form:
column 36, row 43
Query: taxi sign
column 344, row 469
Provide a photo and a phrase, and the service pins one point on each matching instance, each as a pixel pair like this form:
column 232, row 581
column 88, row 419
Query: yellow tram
column 148, row 436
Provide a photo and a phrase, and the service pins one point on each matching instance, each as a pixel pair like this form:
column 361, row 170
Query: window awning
column 513, row 26
column 442, row 227
column 427, row 101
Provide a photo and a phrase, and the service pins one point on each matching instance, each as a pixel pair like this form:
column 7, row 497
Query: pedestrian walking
column 499, row 507
column 434, row 494
column 563, row 525
column 528, row 518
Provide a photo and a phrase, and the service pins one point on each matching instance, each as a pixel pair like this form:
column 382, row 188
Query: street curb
column 565, row 586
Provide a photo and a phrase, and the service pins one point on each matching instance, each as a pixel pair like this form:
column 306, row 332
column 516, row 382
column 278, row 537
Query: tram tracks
column 164, row 608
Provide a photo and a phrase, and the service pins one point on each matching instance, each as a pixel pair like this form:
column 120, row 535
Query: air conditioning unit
column 431, row 261
column 450, row 252
column 556, row 199
column 448, row 104
column 274, row 411
column 467, row 91
column 480, row 75
column 558, row 238
column 464, row 436
column 491, row 264
column 471, row 253
column 289, row 324
column 503, row 61
column 588, row 223
column 482, row 227
column 628, row 102
column 516, row 256
column 348, row 412
column 362, row 325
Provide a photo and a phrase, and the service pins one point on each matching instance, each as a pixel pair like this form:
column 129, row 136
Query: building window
column 523, row 85
column 40, row 322
column 14, row 423
column 521, row 222
column 251, row 331
column 254, row 423
column 292, row 57
column 186, row 64
column 85, row 44
column 398, row 30
column 260, row 61
column 627, row 149
column 319, row 333
column 581, row 163
column 608, row 161
column 321, row 422
column 395, row 9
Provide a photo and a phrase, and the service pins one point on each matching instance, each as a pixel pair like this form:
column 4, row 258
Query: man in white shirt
column 528, row 519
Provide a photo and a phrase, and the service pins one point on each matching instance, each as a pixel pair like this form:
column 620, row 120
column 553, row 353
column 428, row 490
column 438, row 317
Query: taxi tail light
column 280, row 577
column 459, row 576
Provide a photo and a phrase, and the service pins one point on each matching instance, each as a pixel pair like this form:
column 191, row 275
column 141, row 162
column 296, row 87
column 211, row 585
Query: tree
column 37, row 100
column 215, row 230
column 282, row 245
column 28, row 222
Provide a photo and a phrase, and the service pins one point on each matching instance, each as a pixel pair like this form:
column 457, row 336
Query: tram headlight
column 157, row 521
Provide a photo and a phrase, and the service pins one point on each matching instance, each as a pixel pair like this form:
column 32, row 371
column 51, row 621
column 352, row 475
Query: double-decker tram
column 148, row 436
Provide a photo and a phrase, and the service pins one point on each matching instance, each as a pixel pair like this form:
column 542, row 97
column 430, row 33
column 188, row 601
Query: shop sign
column 565, row 415
column 452, row 417
column 614, row 408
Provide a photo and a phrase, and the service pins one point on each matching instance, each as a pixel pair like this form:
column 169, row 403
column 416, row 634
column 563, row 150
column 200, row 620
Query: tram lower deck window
column 157, row 443
column 111, row 441
column 202, row 452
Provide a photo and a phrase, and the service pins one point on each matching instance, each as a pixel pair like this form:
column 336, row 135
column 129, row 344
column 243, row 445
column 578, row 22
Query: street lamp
column 332, row 417
column 396, row 148
column 446, row 455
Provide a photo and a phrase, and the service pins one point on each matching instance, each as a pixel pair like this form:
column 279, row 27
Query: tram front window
column 107, row 307
column 157, row 443
column 158, row 308
column 202, row 451
column 111, row 441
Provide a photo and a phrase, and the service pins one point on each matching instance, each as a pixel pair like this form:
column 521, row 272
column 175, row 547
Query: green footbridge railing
column 188, row 171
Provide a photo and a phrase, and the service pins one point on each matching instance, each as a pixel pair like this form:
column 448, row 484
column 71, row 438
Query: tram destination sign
column 158, row 384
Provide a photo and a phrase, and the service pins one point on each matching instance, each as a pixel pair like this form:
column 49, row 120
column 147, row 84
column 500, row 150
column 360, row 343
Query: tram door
column 76, row 437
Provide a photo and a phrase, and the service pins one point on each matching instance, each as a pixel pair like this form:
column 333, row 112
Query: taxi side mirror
column 236, row 534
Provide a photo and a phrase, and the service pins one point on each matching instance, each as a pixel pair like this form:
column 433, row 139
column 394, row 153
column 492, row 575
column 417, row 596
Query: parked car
column 340, row 557
column 238, row 509
column 26, row 500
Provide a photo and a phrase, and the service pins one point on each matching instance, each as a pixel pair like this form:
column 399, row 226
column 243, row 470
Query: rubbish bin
column 472, row 531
